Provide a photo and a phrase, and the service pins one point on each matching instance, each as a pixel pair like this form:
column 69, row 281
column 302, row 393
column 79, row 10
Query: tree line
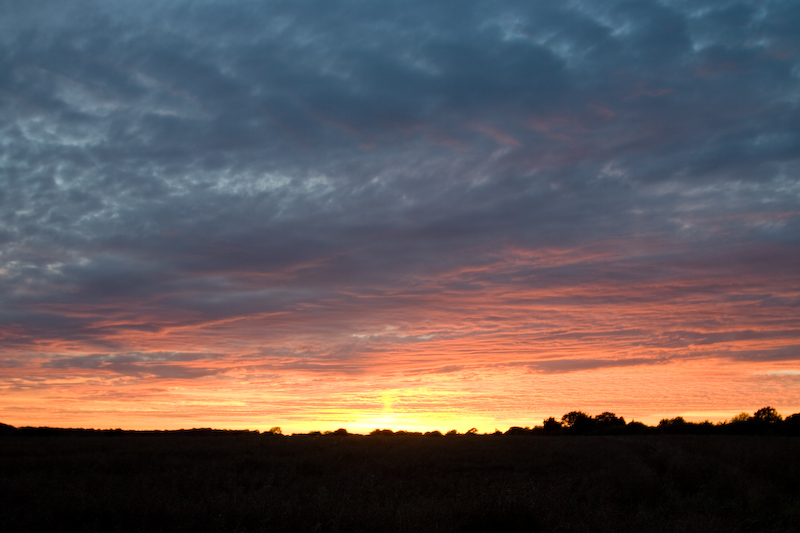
column 764, row 421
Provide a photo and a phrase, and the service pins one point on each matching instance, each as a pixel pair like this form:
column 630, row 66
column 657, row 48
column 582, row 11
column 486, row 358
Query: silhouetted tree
column 674, row 425
column 577, row 421
column 767, row 414
column 791, row 424
column 609, row 419
column 551, row 424
column 572, row 417
column 740, row 418
column 609, row 423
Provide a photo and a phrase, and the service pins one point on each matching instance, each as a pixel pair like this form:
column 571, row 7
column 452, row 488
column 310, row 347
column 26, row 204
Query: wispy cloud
column 405, row 188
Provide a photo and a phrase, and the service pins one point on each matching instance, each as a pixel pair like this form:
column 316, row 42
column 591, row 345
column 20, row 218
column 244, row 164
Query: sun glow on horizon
column 495, row 399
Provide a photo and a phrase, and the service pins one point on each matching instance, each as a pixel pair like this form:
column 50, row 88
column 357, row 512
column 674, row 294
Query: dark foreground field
column 250, row 482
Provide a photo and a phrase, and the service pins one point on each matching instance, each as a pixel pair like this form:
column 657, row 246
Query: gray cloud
column 560, row 366
column 191, row 162
column 153, row 364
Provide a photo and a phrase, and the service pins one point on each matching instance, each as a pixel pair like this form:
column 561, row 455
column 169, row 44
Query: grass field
column 259, row 482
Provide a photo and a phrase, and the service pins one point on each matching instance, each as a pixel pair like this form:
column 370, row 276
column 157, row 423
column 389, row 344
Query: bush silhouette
column 636, row 428
column 516, row 430
column 672, row 422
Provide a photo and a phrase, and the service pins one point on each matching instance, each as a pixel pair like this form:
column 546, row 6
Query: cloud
column 158, row 365
column 556, row 366
column 782, row 353
column 276, row 177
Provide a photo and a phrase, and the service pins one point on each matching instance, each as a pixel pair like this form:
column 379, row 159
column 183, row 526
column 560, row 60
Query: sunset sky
column 397, row 214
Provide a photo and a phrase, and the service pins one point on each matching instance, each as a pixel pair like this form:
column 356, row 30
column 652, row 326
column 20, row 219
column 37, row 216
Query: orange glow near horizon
column 487, row 398
column 429, row 358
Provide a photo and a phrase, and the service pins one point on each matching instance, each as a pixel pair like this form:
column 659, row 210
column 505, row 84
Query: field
column 239, row 482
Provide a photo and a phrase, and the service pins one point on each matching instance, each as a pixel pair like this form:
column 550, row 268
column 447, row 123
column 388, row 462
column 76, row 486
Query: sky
column 397, row 214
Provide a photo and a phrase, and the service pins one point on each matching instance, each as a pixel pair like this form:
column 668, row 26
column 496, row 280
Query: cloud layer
column 207, row 190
